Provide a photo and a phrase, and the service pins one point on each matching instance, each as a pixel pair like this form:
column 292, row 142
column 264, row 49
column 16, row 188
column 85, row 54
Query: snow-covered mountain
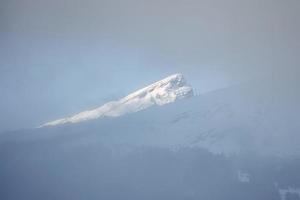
column 162, row 92
column 241, row 142
column 233, row 120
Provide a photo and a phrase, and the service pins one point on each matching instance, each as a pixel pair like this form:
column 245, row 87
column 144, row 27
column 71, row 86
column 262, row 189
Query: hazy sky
column 58, row 57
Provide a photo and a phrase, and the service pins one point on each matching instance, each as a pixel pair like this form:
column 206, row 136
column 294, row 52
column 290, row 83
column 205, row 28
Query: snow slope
column 159, row 93
column 259, row 117
column 242, row 140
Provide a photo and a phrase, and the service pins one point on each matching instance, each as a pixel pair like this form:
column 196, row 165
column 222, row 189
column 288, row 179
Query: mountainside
column 160, row 93
column 236, row 143
column 233, row 120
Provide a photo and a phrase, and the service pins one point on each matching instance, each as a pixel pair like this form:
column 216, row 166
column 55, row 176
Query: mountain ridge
column 162, row 92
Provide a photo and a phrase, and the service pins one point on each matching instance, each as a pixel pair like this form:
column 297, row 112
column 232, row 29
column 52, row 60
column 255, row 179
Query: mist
column 237, row 137
column 61, row 57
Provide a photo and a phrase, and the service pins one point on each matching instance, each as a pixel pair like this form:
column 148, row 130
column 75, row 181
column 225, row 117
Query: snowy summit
column 165, row 91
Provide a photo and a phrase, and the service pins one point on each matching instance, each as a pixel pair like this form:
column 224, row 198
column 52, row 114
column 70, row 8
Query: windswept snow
column 159, row 93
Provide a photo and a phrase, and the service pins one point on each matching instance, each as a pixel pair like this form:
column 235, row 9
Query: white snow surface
column 162, row 92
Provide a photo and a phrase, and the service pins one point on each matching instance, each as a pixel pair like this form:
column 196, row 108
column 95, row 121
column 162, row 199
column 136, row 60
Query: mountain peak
column 162, row 92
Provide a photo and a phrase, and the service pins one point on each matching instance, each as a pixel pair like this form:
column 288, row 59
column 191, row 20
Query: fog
column 237, row 138
column 61, row 57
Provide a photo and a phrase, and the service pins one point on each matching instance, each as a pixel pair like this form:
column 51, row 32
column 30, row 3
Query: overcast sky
column 59, row 57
